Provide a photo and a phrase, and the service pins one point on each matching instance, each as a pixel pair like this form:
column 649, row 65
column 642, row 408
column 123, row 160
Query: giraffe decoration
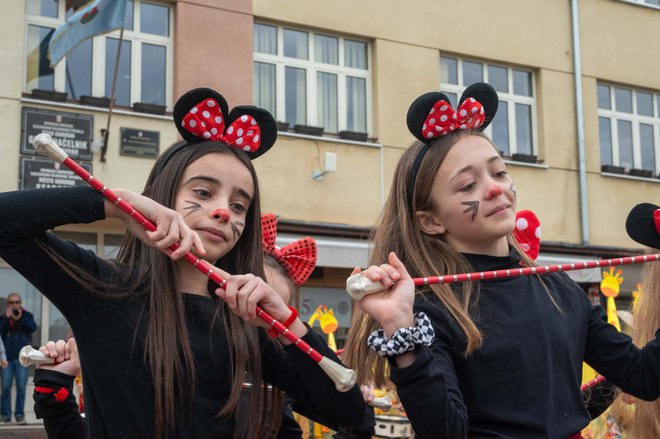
column 328, row 323
column 610, row 286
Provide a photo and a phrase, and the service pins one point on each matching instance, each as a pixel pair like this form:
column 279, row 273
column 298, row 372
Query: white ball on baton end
column 29, row 356
column 358, row 286
column 45, row 145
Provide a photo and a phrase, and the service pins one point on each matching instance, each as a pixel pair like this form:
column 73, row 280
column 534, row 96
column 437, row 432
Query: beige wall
column 621, row 42
column 349, row 196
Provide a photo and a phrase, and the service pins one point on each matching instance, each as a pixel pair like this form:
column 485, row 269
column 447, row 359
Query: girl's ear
column 429, row 223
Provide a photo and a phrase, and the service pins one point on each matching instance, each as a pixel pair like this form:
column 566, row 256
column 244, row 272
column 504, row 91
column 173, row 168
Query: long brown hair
column 398, row 231
column 646, row 421
column 136, row 265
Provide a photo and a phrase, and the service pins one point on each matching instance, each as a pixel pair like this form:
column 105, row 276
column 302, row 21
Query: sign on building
column 71, row 131
column 44, row 173
column 139, row 143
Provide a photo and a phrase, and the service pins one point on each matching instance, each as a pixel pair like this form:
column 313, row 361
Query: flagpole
column 112, row 98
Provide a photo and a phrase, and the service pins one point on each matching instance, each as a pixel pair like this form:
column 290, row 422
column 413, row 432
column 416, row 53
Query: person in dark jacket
column 16, row 328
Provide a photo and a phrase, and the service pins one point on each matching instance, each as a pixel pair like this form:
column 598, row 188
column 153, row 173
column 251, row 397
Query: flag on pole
column 37, row 60
column 96, row 17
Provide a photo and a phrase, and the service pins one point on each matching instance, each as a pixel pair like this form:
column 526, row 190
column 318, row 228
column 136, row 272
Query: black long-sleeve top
column 110, row 332
column 61, row 418
column 524, row 381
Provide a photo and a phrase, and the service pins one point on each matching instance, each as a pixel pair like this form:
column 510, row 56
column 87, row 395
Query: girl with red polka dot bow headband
column 431, row 116
column 202, row 114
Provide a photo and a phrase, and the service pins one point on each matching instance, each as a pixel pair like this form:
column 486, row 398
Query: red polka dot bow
column 205, row 120
column 298, row 258
column 442, row 119
column 528, row 233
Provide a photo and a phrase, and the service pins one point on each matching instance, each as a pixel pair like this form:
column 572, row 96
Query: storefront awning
column 591, row 275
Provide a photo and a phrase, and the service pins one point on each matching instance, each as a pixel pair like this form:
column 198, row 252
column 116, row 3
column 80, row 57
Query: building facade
column 580, row 134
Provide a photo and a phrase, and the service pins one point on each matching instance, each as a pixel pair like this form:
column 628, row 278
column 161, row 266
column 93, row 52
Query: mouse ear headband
column 643, row 224
column 202, row 114
column 298, row 258
column 431, row 116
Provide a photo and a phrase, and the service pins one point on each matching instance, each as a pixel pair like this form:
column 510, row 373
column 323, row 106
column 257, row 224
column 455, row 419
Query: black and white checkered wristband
column 404, row 339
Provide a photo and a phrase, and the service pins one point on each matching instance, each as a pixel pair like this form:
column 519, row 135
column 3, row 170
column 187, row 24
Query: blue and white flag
column 96, row 17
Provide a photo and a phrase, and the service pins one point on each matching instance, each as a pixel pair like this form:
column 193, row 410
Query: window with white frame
column 629, row 127
column 310, row 78
column 513, row 129
column 145, row 60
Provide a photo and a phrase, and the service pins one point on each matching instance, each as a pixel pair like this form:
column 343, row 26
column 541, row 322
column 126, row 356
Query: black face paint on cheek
column 473, row 206
column 512, row 189
column 237, row 232
column 192, row 208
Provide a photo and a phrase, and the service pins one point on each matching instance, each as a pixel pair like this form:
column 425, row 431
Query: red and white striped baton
column 592, row 383
column 359, row 286
column 343, row 377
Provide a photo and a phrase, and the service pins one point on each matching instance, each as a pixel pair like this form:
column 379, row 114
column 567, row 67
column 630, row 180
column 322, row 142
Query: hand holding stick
column 359, row 286
column 343, row 377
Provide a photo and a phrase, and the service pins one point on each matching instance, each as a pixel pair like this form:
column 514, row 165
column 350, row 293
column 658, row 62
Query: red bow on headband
column 528, row 233
column 205, row 120
column 442, row 119
column 298, row 258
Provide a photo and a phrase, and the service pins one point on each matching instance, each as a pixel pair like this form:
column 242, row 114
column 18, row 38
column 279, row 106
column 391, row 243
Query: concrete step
column 30, row 431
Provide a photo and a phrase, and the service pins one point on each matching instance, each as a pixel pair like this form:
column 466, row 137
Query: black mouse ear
column 190, row 111
column 252, row 129
column 643, row 224
column 486, row 95
column 421, row 109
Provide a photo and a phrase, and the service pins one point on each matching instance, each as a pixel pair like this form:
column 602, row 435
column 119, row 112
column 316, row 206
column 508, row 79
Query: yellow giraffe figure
column 610, row 288
column 329, row 324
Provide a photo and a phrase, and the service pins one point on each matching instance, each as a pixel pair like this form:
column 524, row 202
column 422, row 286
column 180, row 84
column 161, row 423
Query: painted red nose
column 494, row 191
column 221, row 215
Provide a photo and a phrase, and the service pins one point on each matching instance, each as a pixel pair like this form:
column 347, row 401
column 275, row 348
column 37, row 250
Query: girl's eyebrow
column 205, row 178
column 243, row 193
column 470, row 167
column 214, row 181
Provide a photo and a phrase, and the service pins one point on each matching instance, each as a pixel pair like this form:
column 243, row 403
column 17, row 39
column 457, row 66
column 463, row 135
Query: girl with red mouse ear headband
column 490, row 358
column 162, row 355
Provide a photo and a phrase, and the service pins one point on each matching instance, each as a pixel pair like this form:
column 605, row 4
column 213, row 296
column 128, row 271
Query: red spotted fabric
column 528, row 233
column 442, row 118
column 656, row 219
column 298, row 258
column 205, row 120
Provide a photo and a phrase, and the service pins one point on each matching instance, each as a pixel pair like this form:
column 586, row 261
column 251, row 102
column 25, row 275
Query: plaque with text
column 139, row 143
column 38, row 173
column 71, row 131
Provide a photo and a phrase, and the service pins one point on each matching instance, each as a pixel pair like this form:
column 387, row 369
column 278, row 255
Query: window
column 513, row 129
column 308, row 78
column 145, row 63
column 629, row 127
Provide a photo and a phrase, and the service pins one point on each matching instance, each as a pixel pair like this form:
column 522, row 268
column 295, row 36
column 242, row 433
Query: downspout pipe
column 582, row 163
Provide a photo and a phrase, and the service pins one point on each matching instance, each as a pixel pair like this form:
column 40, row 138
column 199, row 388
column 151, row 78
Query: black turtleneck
column 524, row 381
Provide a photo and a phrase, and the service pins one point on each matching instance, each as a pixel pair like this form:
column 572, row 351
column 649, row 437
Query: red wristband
column 60, row 395
column 292, row 318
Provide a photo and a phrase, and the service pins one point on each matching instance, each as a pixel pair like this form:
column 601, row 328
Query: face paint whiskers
column 473, row 206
